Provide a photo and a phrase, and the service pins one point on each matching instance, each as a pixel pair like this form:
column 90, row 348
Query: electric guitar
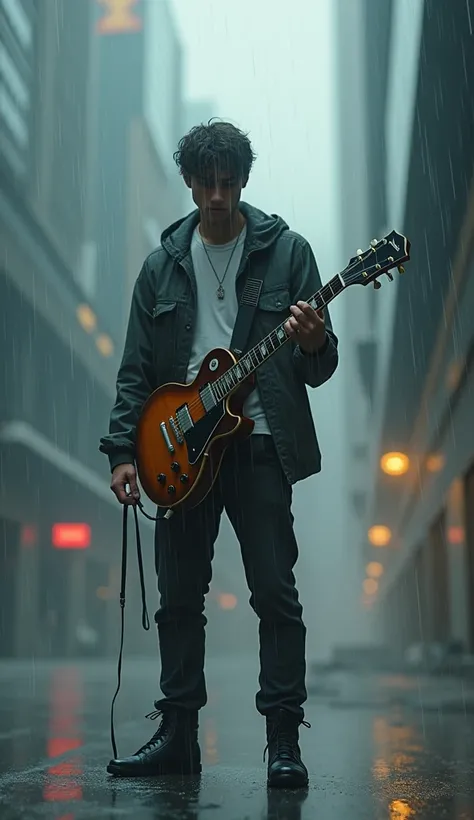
column 184, row 429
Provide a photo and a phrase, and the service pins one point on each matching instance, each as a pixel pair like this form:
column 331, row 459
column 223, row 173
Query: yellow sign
column 119, row 17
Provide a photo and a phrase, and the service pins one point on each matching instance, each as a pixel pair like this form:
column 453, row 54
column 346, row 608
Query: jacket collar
column 262, row 230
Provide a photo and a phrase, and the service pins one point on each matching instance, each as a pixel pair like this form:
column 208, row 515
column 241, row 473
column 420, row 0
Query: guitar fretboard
column 255, row 357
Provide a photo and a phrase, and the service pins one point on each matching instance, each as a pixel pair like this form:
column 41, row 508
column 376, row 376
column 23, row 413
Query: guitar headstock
column 381, row 258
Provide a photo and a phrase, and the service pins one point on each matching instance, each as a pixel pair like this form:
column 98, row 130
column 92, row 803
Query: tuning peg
column 401, row 269
column 374, row 242
column 377, row 284
column 359, row 251
column 389, row 275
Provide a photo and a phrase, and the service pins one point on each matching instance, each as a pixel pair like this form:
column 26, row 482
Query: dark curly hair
column 216, row 144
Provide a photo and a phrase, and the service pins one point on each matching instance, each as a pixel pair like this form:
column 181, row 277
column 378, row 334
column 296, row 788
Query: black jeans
column 256, row 496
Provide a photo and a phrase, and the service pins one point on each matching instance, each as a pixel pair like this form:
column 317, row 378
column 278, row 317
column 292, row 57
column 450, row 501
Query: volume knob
column 161, row 478
column 171, row 489
column 184, row 478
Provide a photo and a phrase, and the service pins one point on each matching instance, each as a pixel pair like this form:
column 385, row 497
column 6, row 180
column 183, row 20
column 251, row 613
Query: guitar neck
column 259, row 354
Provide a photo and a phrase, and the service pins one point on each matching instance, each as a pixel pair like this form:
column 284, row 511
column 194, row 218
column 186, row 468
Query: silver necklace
column 220, row 292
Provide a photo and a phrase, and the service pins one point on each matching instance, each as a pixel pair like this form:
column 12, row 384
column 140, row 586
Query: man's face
column 216, row 194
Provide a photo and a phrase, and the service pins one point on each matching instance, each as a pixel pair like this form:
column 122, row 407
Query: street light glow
column 370, row 586
column 86, row 317
column 395, row 463
column 374, row 569
column 379, row 535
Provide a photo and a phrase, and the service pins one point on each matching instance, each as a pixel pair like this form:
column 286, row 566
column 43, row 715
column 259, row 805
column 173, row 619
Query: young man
column 185, row 303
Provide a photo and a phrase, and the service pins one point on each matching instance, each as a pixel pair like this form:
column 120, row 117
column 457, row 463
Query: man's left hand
column 306, row 326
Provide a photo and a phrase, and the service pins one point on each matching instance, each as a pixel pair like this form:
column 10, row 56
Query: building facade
column 139, row 109
column 55, row 384
column 417, row 533
column 82, row 186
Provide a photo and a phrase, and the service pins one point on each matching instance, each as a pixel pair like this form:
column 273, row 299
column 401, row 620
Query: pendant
column 220, row 292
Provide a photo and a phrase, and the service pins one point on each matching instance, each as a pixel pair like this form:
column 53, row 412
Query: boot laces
column 147, row 747
column 286, row 740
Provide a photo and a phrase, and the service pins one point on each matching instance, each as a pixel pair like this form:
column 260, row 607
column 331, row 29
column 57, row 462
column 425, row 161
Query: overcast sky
column 268, row 68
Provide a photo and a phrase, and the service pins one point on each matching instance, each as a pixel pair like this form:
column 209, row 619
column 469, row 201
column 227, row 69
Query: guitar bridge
column 184, row 418
column 176, row 431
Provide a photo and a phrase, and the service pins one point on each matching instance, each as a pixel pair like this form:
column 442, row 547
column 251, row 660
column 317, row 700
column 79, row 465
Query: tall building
column 139, row 106
column 56, row 385
column 18, row 23
column 421, row 552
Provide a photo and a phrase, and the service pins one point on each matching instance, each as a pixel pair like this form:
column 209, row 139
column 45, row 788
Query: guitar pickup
column 166, row 437
column 184, row 418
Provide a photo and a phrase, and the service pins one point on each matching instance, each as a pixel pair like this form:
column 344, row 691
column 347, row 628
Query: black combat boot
column 285, row 768
column 173, row 749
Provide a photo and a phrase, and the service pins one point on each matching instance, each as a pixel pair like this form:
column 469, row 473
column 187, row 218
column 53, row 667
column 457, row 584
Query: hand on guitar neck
column 307, row 327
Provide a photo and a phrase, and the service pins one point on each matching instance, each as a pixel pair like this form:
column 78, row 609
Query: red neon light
column 456, row 535
column 71, row 536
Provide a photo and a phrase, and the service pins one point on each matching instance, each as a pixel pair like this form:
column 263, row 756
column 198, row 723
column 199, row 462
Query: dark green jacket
column 160, row 335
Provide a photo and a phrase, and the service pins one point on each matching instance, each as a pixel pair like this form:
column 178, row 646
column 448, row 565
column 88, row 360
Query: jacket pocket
column 275, row 301
column 273, row 311
column 164, row 338
column 163, row 306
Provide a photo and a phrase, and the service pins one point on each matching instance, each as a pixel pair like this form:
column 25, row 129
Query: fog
column 334, row 97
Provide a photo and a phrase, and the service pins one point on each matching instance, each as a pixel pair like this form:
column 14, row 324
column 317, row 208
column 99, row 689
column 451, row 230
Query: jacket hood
column 262, row 230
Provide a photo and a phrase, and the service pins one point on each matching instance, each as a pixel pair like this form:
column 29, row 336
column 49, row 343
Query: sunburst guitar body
column 184, row 431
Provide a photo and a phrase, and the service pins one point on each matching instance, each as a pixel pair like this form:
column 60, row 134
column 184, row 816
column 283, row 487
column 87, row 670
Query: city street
column 397, row 747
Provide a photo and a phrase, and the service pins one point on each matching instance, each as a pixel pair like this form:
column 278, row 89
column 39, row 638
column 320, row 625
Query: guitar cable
column 145, row 617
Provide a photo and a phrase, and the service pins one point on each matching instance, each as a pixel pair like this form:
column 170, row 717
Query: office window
column 10, row 76
column 13, row 118
column 18, row 21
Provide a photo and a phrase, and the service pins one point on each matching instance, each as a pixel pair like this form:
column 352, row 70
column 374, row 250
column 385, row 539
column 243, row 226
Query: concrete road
column 374, row 751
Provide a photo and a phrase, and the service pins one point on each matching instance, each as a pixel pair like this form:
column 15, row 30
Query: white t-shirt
column 216, row 317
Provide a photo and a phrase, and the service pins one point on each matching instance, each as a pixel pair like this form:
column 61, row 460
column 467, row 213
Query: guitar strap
column 246, row 313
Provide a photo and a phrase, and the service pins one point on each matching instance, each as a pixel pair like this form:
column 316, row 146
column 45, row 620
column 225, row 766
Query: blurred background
column 362, row 116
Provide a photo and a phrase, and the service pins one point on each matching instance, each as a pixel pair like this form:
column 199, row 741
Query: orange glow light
column 374, row 569
column 370, row 586
column 71, row 536
column 119, row 17
column 104, row 345
column 395, row 463
column 399, row 809
column 456, row 535
column 227, row 600
column 86, row 317
column 435, row 462
column 379, row 535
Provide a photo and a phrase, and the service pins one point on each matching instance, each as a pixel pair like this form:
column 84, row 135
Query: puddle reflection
column 165, row 798
column 63, row 778
column 285, row 805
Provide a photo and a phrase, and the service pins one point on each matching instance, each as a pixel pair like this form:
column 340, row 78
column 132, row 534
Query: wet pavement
column 393, row 747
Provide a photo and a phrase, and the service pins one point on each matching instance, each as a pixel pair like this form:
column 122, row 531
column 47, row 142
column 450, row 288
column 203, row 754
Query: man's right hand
column 122, row 475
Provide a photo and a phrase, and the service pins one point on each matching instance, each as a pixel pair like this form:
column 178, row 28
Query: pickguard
column 198, row 436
